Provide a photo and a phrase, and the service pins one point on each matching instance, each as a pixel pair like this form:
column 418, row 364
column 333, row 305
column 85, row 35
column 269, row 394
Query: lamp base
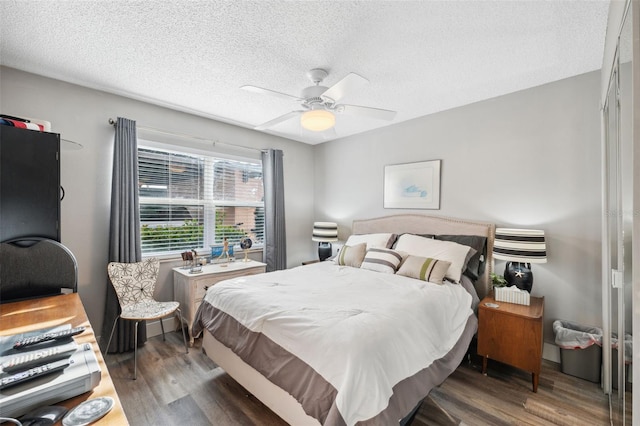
column 519, row 274
column 324, row 251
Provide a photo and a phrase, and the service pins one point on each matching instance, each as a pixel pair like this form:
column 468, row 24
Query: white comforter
column 362, row 331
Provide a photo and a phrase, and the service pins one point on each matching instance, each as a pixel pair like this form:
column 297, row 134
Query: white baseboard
column 153, row 327
column 551, row 352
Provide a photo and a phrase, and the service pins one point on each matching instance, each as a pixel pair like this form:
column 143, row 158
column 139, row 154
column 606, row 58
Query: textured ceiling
column 420, row 57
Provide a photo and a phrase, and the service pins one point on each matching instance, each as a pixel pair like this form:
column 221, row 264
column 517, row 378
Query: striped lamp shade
column 325, row 232
column 520, row 245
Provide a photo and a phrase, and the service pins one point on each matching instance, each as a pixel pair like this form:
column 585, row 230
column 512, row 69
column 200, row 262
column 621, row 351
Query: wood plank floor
column 189, row 389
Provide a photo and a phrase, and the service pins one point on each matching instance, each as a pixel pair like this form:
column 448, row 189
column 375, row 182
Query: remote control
column 38, row 357
column 32, row 373
column 56, row 335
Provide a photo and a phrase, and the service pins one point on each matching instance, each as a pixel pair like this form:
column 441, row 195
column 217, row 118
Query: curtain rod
column 184, row 135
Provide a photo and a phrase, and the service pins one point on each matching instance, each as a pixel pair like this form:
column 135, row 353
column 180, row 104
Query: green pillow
column 424, row 268
column 351, row 255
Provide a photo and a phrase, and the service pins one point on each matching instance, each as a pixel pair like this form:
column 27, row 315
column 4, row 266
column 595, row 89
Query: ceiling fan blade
column 263, row 91
column 277, row 120
column 381, row 114
column 351, row 82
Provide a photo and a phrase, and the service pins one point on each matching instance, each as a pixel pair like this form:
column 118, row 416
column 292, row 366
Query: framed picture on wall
column 412, row 185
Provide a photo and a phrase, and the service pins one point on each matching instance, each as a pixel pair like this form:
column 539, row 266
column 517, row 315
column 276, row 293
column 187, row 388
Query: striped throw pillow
column 424, row 268
column 351, row 255
column 382, row 260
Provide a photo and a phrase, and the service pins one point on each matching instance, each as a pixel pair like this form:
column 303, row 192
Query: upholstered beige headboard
column 436, row 225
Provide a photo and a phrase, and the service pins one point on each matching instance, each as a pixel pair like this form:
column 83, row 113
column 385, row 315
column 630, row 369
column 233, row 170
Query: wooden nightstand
column 189, row 289
column 512, row 334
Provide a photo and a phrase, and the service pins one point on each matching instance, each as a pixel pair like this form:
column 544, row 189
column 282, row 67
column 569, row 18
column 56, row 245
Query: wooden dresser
column 512, row 334
column 189, row 289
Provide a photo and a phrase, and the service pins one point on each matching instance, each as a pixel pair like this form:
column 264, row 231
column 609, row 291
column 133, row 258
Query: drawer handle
column 206, row 287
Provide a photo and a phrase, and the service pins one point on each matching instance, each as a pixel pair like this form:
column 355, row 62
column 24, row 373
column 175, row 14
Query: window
column 192, row 201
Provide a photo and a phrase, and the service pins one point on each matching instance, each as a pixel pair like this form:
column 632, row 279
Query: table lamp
column 520, row 248
column 325, row 233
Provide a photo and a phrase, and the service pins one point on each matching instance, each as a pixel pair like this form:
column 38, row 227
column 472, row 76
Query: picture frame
column 412, row 185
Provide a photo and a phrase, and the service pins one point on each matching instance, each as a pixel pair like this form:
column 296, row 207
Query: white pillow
column 436, row 249
column 385, row 240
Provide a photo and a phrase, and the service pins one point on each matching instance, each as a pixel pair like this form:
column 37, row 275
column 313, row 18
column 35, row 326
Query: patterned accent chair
column 134, row 284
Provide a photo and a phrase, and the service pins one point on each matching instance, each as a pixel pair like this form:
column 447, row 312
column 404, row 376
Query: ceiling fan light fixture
column 317, row 120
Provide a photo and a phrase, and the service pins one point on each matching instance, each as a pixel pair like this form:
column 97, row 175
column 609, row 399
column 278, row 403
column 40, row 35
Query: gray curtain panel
column 124, row 233
column 275, row 240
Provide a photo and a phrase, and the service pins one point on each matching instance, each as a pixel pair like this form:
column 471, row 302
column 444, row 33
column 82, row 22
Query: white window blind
column 190, row 201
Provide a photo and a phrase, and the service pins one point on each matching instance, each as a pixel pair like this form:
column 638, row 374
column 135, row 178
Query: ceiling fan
column 319, row 103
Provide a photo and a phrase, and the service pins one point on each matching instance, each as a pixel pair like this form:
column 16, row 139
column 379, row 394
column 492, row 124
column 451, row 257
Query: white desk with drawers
column 189, row 289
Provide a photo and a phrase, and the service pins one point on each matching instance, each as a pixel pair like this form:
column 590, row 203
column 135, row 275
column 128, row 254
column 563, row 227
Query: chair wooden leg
column 106, row 350
column 162, row 328
column 135, row 351
column 184, row 336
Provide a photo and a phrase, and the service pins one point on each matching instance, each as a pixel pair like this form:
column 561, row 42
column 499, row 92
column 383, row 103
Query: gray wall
column 529, row 159
column 80, row 114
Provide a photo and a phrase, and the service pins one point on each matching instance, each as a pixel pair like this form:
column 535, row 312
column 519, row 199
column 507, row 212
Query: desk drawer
column 205, row 282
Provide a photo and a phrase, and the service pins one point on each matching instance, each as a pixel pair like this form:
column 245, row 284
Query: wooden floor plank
column 186, row 408
column 191, row 390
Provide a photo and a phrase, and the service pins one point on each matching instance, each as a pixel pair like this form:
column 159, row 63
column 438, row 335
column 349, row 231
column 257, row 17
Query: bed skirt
column 408, row 393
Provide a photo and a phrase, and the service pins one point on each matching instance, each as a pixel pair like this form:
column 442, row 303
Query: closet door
column 618, row 228
column 29, row 184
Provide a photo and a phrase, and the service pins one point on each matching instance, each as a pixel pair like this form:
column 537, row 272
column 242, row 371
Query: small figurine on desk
column 225, row 252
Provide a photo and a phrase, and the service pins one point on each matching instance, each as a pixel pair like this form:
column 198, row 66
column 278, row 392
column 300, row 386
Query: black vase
column 324, row 250
column 519, row 274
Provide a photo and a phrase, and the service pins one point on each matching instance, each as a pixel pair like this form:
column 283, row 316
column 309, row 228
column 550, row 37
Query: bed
column 343, row 342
